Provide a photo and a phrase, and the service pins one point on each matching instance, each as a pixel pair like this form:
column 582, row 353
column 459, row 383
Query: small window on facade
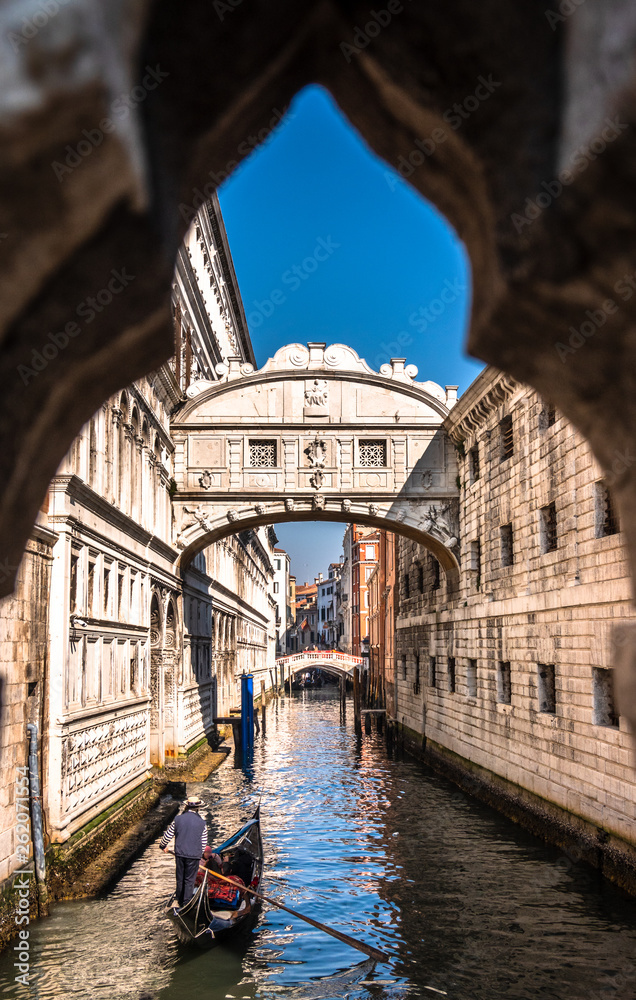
column 372, row 454
column 546, row 688
column 471, row 679
column 475, row 560
column 278, row 564
column 276, row 586
column 548, row 528
column 369, row 552
column 73, row 581
column 504, row 690
column 605, row 519
column 435, row 572
column 507, row 552
column 407, row 586
column 106, row 589
column 263, row 454
column 451, row 674
column 473, row 464
column 432, row 671
column 416, row 682
column 605, row 713
column 547, row 416
column 91, row 586
column 506, row 438
column 404, row 668
column 120, row 594
column 420, row 578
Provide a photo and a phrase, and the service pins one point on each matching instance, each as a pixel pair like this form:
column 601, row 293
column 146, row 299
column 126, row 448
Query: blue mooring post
column 247, row 710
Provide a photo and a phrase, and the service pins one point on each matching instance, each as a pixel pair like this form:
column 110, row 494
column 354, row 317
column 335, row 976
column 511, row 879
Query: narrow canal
column 466, row 903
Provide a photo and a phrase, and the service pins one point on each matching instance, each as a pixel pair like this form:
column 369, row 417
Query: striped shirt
column 185, row 829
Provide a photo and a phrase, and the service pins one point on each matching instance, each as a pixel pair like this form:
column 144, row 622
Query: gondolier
column 190, row 840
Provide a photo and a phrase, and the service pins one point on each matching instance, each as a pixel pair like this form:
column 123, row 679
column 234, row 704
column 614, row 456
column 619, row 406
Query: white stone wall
column 553, row 608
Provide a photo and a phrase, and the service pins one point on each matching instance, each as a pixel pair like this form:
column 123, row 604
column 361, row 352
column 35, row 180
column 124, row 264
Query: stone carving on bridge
column 374, row 510
column 316, row 452
column 437, row 522
column 289, row 503
column 318, row 502
column 346, row 505
column 317, row 479
column 427, row 479
column 316, row 394
column 205, row 480
column 232, row 515
column 193, row 515
column 259, row 508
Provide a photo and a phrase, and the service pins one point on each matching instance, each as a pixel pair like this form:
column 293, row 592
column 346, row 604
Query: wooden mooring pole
column 357, row 719
column 263, row 706
column 343, row 698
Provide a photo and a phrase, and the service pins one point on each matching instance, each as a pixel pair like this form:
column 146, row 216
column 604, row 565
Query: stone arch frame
column 276, row 513
column 532, row 285
column 156, row 679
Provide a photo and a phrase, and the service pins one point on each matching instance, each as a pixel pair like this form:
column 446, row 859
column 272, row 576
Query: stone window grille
column 451, row 674
column 435, row 585
column 605, row 518
column 404, row 668
column 372, row 454
column 407, row 586
column 605, row 713
column 420, row 579
column 416, row 682
column 548, row 528
column 263, row 454
column 432, row 671
column 546, row 688
column 473, row 464
column 106, row 588
column 504, row 688
column 120, row 595
column 471, row 678
column 507, row 444
column 90, row 603
column 507, row 550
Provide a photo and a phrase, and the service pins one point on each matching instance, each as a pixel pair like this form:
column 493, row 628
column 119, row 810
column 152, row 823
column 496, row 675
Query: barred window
column 548, row 527
column 475, row 560
column 263, row 454
column 416, row 683
column 507, row 550
column 606, row 521
column 473, row 464
column 547, row 416
column 435, row 572
column 605, row 713
column 471, row 679
column 451, row 674
column 507, row 445
column 432, row 671
column 504, row 688
column 546, row 688
column 372, row 454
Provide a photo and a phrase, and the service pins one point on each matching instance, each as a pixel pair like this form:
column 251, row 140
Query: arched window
column 155, row 622
column 122, row 470
column 135, row 467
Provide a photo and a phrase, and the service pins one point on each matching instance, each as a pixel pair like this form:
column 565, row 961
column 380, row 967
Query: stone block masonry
column 512, row 673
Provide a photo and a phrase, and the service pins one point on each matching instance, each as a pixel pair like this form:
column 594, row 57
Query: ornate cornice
column 484, row 396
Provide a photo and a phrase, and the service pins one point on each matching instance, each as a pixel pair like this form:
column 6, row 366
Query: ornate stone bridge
column 328, row 659
column 315, row 434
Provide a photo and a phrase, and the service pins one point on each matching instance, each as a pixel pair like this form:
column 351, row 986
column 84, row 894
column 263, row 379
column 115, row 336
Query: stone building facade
column 512, row 672
column 123, row 657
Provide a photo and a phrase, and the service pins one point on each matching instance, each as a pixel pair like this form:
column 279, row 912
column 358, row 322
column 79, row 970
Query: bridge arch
column 316, row 435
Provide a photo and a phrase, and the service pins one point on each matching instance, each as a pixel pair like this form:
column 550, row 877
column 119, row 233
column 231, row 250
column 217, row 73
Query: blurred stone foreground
column 117, row 118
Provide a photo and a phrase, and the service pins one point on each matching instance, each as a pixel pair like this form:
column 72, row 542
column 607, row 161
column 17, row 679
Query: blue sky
column 329, row 244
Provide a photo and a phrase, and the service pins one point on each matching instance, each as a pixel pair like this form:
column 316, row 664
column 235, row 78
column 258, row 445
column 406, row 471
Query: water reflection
column 467, row 904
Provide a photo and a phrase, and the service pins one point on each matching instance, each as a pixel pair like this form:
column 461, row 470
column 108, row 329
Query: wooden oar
column 379, row 956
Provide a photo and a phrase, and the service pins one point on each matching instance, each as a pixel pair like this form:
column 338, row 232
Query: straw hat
column 193, row 802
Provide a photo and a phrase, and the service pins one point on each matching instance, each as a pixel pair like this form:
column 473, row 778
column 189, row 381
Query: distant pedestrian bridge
column 329, row 659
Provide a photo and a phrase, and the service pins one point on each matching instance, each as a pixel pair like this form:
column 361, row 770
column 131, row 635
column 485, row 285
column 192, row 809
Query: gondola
column 206, row 921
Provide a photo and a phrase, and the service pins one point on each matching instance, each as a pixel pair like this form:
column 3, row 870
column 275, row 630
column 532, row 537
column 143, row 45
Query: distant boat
column 217, row 911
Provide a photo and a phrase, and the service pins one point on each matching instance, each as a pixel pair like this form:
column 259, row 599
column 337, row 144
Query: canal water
column 467, row 904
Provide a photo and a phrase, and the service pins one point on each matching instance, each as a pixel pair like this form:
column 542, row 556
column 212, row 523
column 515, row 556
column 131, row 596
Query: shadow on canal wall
column 580, row 840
